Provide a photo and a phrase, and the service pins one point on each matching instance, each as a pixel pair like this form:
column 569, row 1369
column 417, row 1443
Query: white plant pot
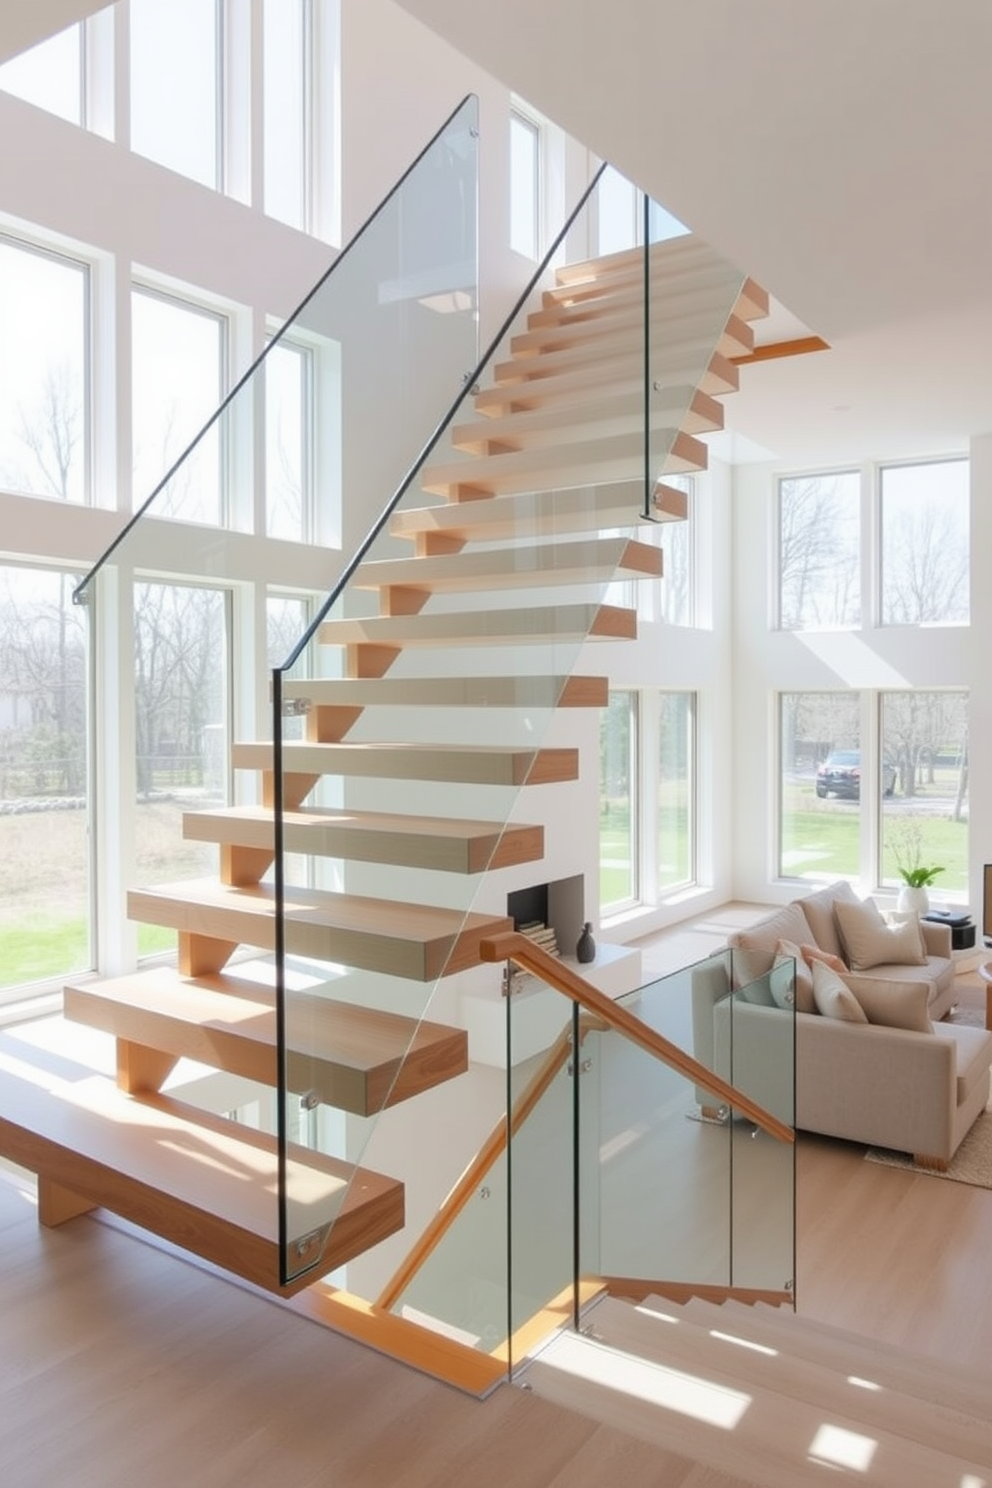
column 912, row 901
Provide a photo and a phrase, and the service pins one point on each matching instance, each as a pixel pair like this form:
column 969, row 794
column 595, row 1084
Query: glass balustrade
column 420, row 779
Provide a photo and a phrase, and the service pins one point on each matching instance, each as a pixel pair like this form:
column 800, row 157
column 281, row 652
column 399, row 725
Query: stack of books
column 542, row 935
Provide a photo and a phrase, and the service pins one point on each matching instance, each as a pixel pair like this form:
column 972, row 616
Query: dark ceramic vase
column 586, row 948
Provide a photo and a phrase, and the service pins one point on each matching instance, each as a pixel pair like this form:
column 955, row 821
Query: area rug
column 972, row 1163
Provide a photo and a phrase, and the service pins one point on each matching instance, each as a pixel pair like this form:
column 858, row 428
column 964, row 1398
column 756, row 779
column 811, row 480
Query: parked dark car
column 840, row 775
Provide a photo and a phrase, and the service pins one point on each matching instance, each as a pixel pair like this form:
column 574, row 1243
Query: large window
column 675, row 786
column 287, row 109
column 525, row 185
column 178, row 356
column 181, row 735
column 44, row 373
column 925, row 813
column 924, row 523
column 618, row 804
column 620, row 216
column 50, row 75
column 288, row 443
column 819, row 551
column 176, row 95
column 678, row 547
column 821, row 779
column 44, row 854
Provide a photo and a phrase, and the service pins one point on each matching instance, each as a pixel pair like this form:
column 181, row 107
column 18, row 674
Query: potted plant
column 916, row 876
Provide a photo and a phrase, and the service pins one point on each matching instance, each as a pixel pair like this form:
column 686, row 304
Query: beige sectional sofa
column 915, row 1088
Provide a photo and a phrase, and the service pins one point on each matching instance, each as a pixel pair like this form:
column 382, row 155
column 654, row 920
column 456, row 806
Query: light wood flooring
column 122, row 1364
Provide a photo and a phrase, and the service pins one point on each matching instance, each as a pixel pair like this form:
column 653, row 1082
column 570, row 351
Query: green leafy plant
column 907, row 848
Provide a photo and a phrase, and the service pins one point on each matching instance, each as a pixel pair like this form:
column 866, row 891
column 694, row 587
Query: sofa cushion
column 833, row 997
column 818, row 909
column 895, row 1004
column 813, row 953
column 787, row 923
column 803, row 999
column 869, row 941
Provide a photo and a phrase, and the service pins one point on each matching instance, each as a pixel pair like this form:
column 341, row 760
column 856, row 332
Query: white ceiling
column 840, row 151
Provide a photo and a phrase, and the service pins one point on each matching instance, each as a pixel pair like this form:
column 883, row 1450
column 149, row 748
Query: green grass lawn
column 41, row 946
column 822, row 837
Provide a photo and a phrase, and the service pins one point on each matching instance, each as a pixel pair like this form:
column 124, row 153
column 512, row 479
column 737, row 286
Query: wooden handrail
column 518, row 948
column 491, row 1150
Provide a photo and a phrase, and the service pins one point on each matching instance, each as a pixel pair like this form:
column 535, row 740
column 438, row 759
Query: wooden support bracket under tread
column 354, row 1058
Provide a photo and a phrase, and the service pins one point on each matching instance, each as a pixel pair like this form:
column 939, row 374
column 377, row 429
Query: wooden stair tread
column 197, row 1180
column 452, row 692
column 689, row 288
column 622, row 350
column 667, row 255
column 588, row 413
column 667, row 324
column 596, row 560
column 469, row 764
column 417, row 941
column 619, row 457
column 354, row 1058
column 528, row 378
column 773, row 1432
column 442, row 843
column 539, row 513
column 792, row 1373
column 525, row 625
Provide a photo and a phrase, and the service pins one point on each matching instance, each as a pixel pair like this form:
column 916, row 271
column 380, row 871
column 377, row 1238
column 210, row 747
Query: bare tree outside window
column 925, row 543
column 819, row 551
column 925, row 735
column 44, row 903
column 820, row 830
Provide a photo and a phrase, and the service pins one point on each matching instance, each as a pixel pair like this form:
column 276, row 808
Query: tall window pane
column 616, row 213
column 287, row 97
column 50, row 75
column 177, row 371
column 618, row 800
column 525, row 185
column 819, row 552
column 288, row 381
column 675, row 789
column 924, row 738
column 925, row 543
column 175, row 85
column 820, row 799
column 44, row 374
column 180, row 732
column 44, row 863
column 677, row 596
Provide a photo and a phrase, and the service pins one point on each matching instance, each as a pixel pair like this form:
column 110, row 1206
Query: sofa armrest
column 936, row 938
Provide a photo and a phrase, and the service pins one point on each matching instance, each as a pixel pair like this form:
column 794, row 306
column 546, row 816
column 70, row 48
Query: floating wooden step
column 668, row 256
column 452, row 692
column 619, row 458
column 692, row 288
column 540, row 513
column 525, row 378
column 666, row 326
column 201, row 1182
column 356, row 1059
column 456, row 764
column 416, row 941
column 435, row 843
column 537, row 625
column 736, row 340
column 594, row 561
column 589, row 414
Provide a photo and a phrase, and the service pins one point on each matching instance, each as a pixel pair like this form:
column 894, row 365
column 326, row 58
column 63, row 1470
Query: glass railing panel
column 656, row 1153
column 438, row 681
column 756, row 1041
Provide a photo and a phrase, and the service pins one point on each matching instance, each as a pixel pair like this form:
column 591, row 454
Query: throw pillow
column 813, row 953
column 804, row 980
column 819, row 911
column 833, row 997
column 869, row 941
column 895, row 1004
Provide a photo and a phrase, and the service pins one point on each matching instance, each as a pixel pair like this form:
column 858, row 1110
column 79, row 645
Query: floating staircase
column 553, row 449
column 756, row 1392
